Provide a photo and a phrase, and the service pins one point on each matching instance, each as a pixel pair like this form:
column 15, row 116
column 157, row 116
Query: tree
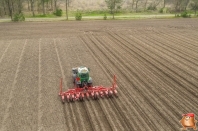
column 132, row 4
column 67, row 9
column 112, row 5
column 185, row 4
column 32, row 7
column 145, row 4
column 43, row 6
column 3, row 8
column 194, row 6
column 136, row 5
column 154, row 4
column 10, row 7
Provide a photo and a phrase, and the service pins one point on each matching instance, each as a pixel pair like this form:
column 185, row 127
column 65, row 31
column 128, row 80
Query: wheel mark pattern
column 12, row 87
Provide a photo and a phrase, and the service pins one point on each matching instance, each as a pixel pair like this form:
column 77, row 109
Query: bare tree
column 66, row 9
column 3, row 8
column 55, row 4
column 194, row 6
column 154, row 4
column 32, row 7
column 145, row 4
column 28, row 3
column 112, row 5
column 10, row 7
column 43, row 6
column 132, row 4
column 136, row 5
column 185, row 4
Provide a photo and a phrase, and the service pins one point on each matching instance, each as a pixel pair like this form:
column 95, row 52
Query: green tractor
column 81, row 77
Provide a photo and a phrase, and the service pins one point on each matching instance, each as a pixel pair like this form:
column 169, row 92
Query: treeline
column 12, row 7
column 16, row 8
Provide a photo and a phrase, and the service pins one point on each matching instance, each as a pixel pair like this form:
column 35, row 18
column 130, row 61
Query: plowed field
column 156, row 63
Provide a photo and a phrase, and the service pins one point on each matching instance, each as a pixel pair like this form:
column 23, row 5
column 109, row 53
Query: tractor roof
column 83, row 69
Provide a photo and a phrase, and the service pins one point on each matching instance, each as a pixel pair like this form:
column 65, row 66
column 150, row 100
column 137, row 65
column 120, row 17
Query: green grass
column 99, row 15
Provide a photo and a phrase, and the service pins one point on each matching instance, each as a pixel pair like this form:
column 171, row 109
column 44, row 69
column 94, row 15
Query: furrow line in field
column 180, row 40
column 184, row 73
column 155, row 81
column 119, row 112
column 66, row 113
column 182, row 43
column 3, row 55
column 7, row 71
column 192, row 39
column 138, row 75
column 169, row 72
column 76, row 107
column 157, row 67
column 172, row 69
column 96, row 109
column 12, row 89
column 186, row 36
column 51, row 108
column 141, row 116
column 26, row 91
column 107, row 123
column 62, row 73
column 80, row 120
column 129, row 121
column 39, row 87
column 171, row 52
column 157, row 72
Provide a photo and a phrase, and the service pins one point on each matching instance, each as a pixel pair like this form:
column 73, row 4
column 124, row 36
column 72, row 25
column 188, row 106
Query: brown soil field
column 155, row 60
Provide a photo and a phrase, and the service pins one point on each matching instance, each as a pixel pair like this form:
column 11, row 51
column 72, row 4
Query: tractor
column 83, row 87
column 81, row 77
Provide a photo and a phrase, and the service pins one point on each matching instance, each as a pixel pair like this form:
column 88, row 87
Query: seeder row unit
column 80, row 93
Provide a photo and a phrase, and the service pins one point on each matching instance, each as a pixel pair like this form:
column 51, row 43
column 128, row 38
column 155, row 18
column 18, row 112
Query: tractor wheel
column 90, row 84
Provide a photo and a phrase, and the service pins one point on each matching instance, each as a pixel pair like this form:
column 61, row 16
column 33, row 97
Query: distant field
column 155, row 60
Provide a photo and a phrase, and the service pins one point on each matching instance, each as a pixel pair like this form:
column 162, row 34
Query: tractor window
column 84, row 75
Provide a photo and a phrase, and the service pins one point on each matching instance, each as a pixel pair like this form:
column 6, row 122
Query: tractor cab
column 81, row 76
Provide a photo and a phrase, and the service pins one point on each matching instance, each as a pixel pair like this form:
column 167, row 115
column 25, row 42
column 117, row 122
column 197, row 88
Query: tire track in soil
column 176, row 74
column 151, row 95
column 154, row 77
column 50, row 107
column 39, row 126
column 121, row 105
column 74, row 62
column 7, row 71
column 106, row 113
column 189, row 69
column 5, row 120
column 117, row 108
column 131, row 73
column 190, row 40
column 179, row 56
column 165, row 74
column 192, row 43
column 193, row 39
column 68, row 57
column 182, row 99
column 4, row 49
column 189, row 49
column 25, row 96
column 66, row 112
column 180, row 69
column 166, row 66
